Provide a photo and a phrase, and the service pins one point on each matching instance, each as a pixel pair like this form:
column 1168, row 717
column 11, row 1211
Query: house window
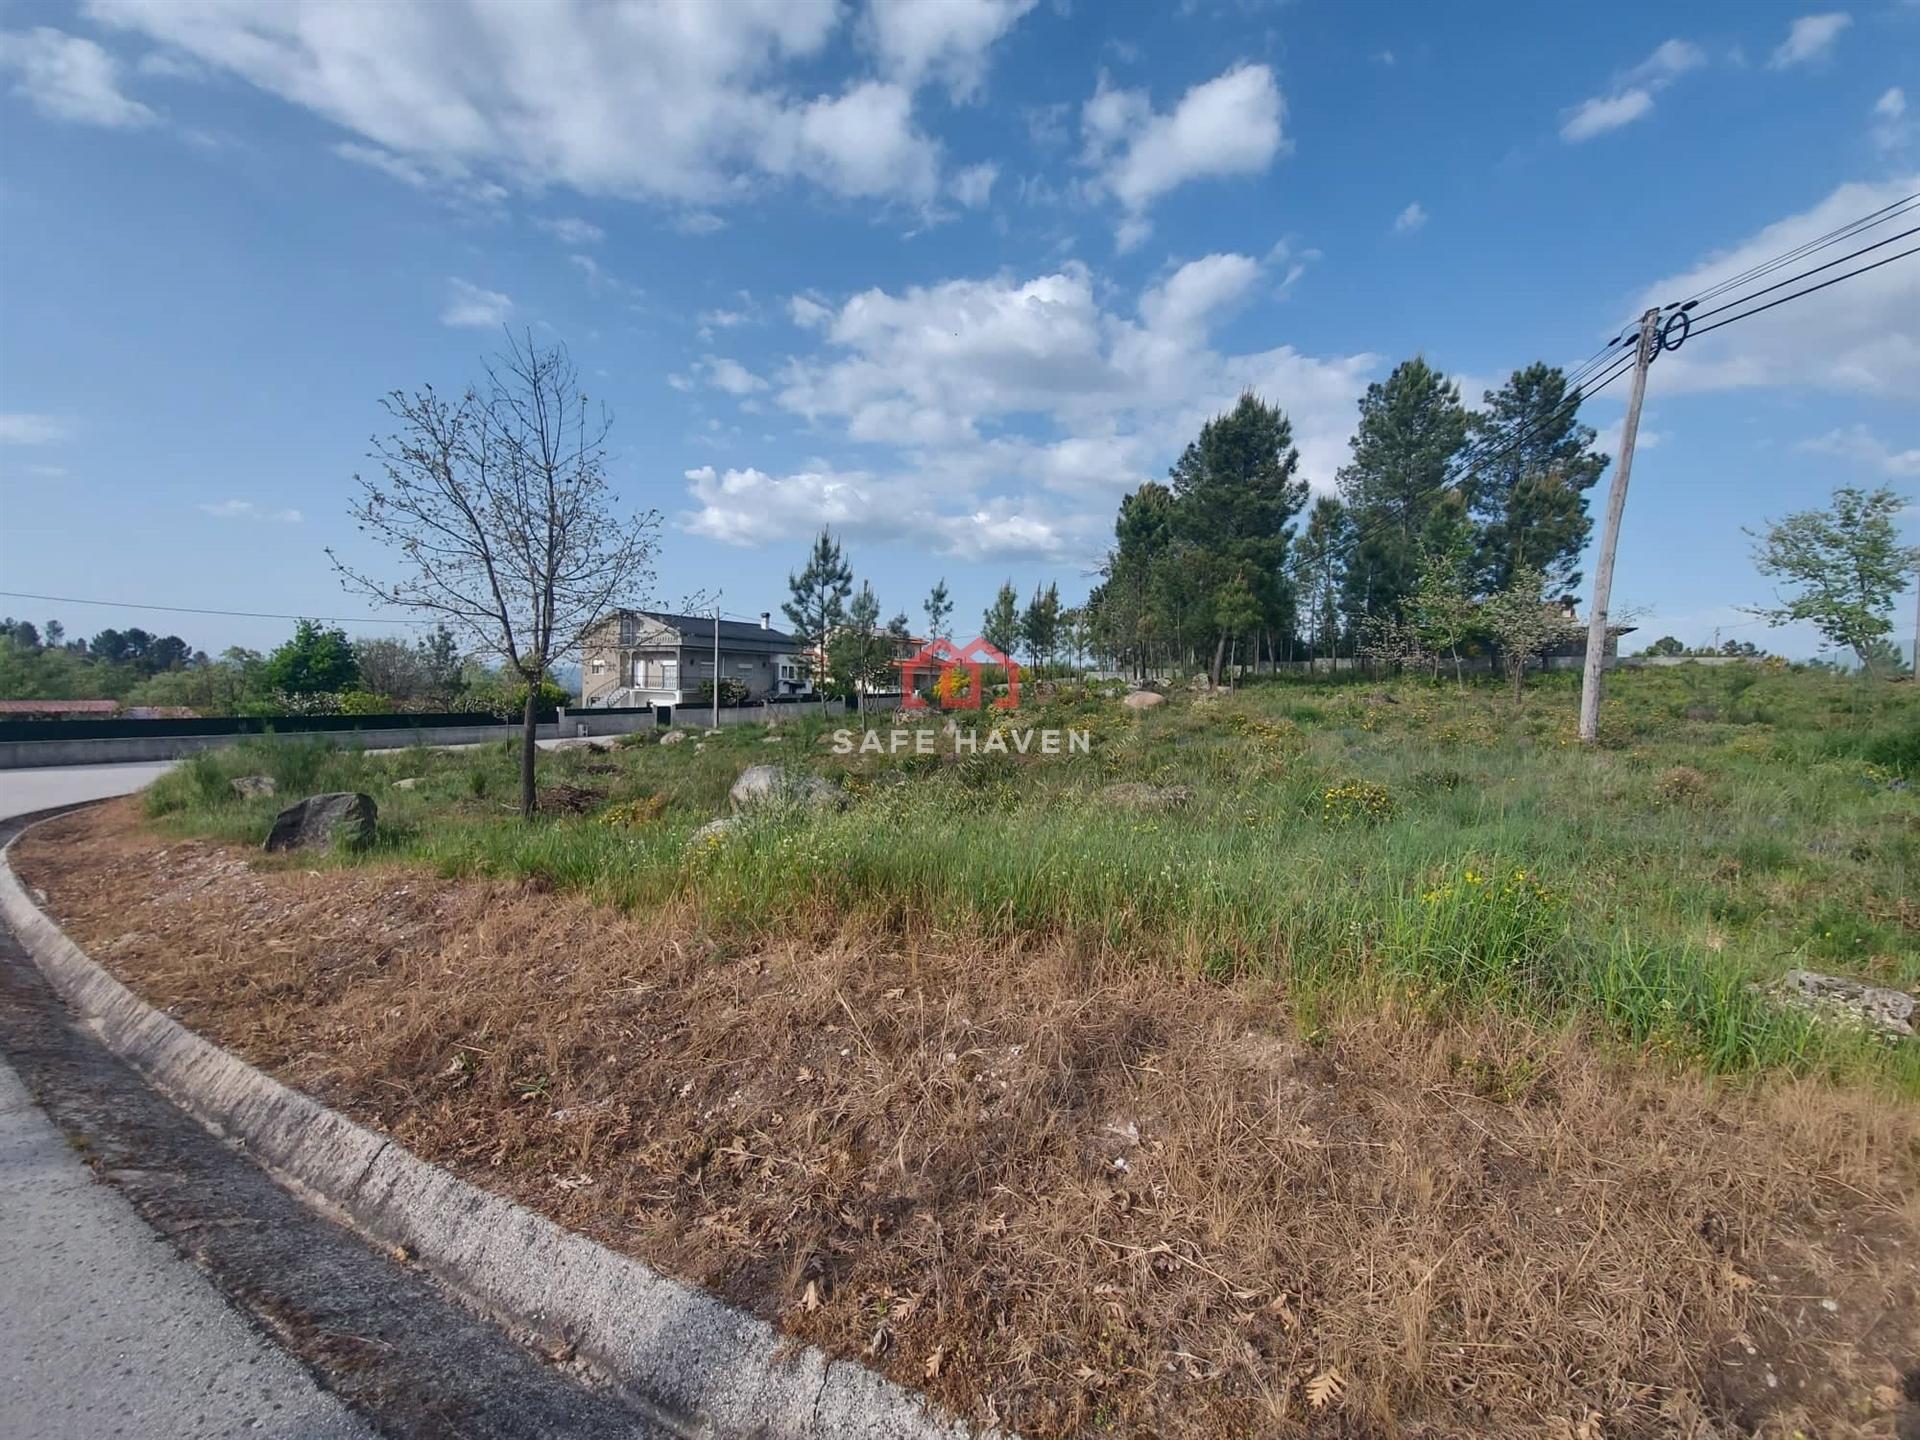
column 599, row 666
column 626, row 629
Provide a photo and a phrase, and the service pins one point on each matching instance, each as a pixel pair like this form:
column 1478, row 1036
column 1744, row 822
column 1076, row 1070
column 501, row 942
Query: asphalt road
column 106, row 1329
column 22, row 791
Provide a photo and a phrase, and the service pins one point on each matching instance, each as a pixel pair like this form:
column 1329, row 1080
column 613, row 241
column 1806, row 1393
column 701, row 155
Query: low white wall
column 700, row 717
column 1663, row 662
column 575, row 723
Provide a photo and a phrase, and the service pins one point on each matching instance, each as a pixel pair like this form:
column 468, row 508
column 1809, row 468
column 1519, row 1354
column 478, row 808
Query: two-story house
column 648, row 657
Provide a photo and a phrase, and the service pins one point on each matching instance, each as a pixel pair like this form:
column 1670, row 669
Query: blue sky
column 949, row 276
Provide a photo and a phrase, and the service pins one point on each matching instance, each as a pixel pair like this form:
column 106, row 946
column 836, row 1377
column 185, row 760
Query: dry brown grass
column 1064, row 1192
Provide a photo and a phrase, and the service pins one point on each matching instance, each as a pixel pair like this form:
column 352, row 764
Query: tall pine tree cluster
column 1438, row 506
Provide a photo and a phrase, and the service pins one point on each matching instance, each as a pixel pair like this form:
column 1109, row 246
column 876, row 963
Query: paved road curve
column 105, row 1330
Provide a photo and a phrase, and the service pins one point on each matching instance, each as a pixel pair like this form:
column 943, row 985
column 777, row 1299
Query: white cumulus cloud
column 1017, row 409
column 1863, row 447
column 1230, row 125
column 946, row 39
column 69, row 78
column 730, row 375
column 691, row 104
column 1810, row 38
column 1411, row 218
column 473, row 308
column 1891, row 129
column 862, row 143
column 19, row 428
column 973, row 186
column 249, row 510
column 571, row 230
column 1631, row 96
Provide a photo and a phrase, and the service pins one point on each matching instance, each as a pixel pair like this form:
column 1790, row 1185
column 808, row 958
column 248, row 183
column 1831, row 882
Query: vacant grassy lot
column 1405, row 1081
column 1409, row 843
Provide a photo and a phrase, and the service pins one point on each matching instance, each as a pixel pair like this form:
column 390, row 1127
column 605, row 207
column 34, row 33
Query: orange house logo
column 957, row 675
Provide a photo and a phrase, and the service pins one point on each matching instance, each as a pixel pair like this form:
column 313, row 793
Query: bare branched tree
column 499, row 503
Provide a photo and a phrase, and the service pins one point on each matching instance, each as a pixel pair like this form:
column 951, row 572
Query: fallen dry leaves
column 1071, row 1191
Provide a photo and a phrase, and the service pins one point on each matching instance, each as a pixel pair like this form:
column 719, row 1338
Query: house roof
column 59, row 707
column 738, row 634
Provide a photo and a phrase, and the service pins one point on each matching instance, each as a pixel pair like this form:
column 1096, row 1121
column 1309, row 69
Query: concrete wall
column 1664, row 662
column 575, row 723
column 1472, row 665
column 700, row 717
column 23, row 754
column 27, row 754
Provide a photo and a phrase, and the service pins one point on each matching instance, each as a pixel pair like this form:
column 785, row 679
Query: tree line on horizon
column 316, row 670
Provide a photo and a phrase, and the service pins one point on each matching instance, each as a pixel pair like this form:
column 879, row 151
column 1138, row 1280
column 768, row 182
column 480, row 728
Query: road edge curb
column 705, row 1367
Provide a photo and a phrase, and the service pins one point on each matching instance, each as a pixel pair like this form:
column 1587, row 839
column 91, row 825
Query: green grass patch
column 1401, row 843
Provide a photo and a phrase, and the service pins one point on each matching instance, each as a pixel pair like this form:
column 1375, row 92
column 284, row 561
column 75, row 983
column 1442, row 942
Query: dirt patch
column 564, row 799
column 1061, row 1191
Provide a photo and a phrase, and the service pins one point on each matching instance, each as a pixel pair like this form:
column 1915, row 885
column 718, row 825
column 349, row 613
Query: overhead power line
column 1791, row 279
column 1858, row 226
column 199, row 610
column 1831, row 280
column 1611, row 363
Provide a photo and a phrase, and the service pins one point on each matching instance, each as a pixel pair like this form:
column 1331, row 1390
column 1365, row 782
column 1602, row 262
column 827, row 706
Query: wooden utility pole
column 1649, row 345
column 716, row 662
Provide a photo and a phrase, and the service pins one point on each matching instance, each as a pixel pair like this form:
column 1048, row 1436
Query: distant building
column 905, row 647
column 58, row 709
column 91, row 710
column 1571, row 653
column 648, row 657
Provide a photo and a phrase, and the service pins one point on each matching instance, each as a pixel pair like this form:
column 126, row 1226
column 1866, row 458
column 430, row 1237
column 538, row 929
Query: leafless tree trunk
column 500, row 506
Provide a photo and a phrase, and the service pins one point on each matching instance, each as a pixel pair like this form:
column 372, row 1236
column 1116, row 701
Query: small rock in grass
column 713, row 832
column 250, row 786
column 1144, row 700
column 409, row 783
column 1852, row 1002
column 1134, row 795
column 317, row 822
column 673, row 737
column 775, row 786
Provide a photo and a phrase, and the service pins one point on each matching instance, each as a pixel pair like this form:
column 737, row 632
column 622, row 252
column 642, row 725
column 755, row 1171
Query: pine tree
column 1000, row 625
column 1236, row 490
column 860, row 655
column 1318, row 562
column 1530, row 490
column 939, row 608
column 819, row 594
column 1411, row 427
column 1236, row 610
column 1040, row 624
